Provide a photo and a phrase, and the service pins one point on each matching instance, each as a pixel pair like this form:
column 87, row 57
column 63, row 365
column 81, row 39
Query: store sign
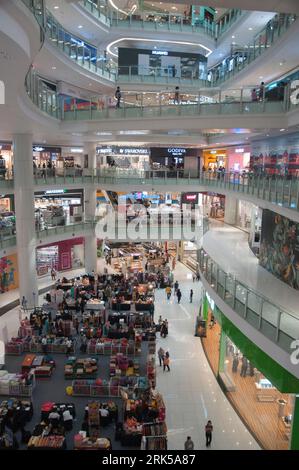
column 38, row 149
column 176, row 152
column 159, row 52
column 191, row 197
column 132, row 151
column 55, row 191
column 104, row 150
column 239, row 150
column 76, row 150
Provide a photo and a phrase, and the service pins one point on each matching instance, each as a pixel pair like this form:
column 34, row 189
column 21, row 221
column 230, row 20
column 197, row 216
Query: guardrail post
column 246, row 304
column 278, row 326
column 261, row 314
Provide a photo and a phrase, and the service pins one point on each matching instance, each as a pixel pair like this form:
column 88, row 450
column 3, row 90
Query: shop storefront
column 238, row 159
column 261, row 391
column 58, row 207
column 249, row 219
column 6, row 160
column 135, row 158
column 61, row 256
column 213, row 205
column 45, row 155
column 161, row 63
column 214, row 159
column 176, row 158
column 188, row 254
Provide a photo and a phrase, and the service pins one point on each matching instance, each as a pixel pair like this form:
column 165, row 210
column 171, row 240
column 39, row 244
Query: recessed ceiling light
column 250, row 29
column 56, row 7
column 233, row 43
column 261, row 76
column 233, row 37
column 80, row 26
column 281, row 130
column 280, row 63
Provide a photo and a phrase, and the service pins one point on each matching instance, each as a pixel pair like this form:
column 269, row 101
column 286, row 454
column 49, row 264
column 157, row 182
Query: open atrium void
column 149, row 229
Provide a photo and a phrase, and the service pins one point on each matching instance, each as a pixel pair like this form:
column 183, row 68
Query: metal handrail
column 210, row 270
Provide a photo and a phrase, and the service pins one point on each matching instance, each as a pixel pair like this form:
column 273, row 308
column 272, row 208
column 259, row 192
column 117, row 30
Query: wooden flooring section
column 211, row 346
column 261, row 418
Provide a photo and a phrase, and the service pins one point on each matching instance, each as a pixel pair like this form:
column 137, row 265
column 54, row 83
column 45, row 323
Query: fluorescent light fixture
column 161, row 41
column 281, row 130
column 76, row 150
column 56, row 7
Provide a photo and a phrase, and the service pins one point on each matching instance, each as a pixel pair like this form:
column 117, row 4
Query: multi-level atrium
column 149, row 225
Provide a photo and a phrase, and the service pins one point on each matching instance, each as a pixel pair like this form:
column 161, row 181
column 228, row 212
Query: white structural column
column 90, row 153
column 25, row 221
column 230, row 211
column 90, row 195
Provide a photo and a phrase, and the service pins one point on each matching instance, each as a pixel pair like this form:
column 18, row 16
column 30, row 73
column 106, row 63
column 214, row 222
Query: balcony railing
column 66, row 229
column 159, row 21
column 282, row 190
column 272, row 320
column 233, row 64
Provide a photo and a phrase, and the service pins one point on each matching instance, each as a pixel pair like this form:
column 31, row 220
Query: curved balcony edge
column 278, row 348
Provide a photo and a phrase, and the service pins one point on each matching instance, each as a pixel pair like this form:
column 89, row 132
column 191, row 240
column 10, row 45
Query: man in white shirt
column 67, row 420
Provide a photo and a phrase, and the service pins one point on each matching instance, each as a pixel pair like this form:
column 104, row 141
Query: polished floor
column 190, row 389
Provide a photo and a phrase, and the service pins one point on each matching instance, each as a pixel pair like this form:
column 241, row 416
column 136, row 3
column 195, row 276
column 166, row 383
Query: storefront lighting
column 76, row 150
column 239, row 150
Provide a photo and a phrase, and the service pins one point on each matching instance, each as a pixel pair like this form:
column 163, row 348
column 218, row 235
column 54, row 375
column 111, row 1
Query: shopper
column 163, row 330
column 76, row 325
column 189, row 444
column 235, row 363
column 177, row 95
column 254, row 95
column 117, row 97
column 244, row 367
column 166, row 362
column 173, row 68
column 53, row 274
column 24, row 302
column 161, row 354
column 44, row 345
column 168, row 292
column 209, row 430
column 179, row 295
column 262, row 91
column 176, row 286
column 69, row 345
column 191, row 296
column 67, row 420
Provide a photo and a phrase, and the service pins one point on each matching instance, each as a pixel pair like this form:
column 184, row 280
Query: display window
column 213, row 205
column 61, row 256
column 215, row 159
column 133, row 158
column 266, row 411
column 6, row 161
column 58, row 207
column 238, row 159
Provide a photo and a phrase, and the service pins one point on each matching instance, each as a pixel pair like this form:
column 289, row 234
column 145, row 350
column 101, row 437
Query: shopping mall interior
column 149, row 225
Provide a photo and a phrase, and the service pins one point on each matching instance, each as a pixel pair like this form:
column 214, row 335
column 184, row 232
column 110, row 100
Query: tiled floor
column 190, row 390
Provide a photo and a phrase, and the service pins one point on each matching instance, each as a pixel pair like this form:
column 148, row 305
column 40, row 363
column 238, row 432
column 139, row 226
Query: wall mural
column 9, row 278
column 279, row 251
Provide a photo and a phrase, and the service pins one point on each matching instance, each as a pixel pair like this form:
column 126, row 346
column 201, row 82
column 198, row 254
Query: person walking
column 262, row 91
column 161, row 354
column 179, row 295
column 176, row 286
column 166, row 362
column 177, row 95
column 168, row 292
column 189, row 444
column 208, row 430
column 191, row 296
column 24, row 302
column 117, row 97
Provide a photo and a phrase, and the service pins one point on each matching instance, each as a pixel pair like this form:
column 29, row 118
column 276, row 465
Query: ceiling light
column 54, row 68
column 233, row 37
column 280, row 63
column 281, row 130
column 261, row 76
column 80, row 26
column 56, row 7
column 250, row 29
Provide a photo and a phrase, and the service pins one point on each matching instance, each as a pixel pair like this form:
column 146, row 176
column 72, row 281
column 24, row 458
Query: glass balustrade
column 157, row 20
column 236, row 62
column 282, row 190
column 273, row 321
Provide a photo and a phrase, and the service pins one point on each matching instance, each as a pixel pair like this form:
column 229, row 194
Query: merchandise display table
column 85, row 368
column 81, row 442
column 47, row 443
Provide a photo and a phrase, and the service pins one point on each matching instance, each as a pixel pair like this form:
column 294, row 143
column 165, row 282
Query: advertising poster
column 279, row 251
